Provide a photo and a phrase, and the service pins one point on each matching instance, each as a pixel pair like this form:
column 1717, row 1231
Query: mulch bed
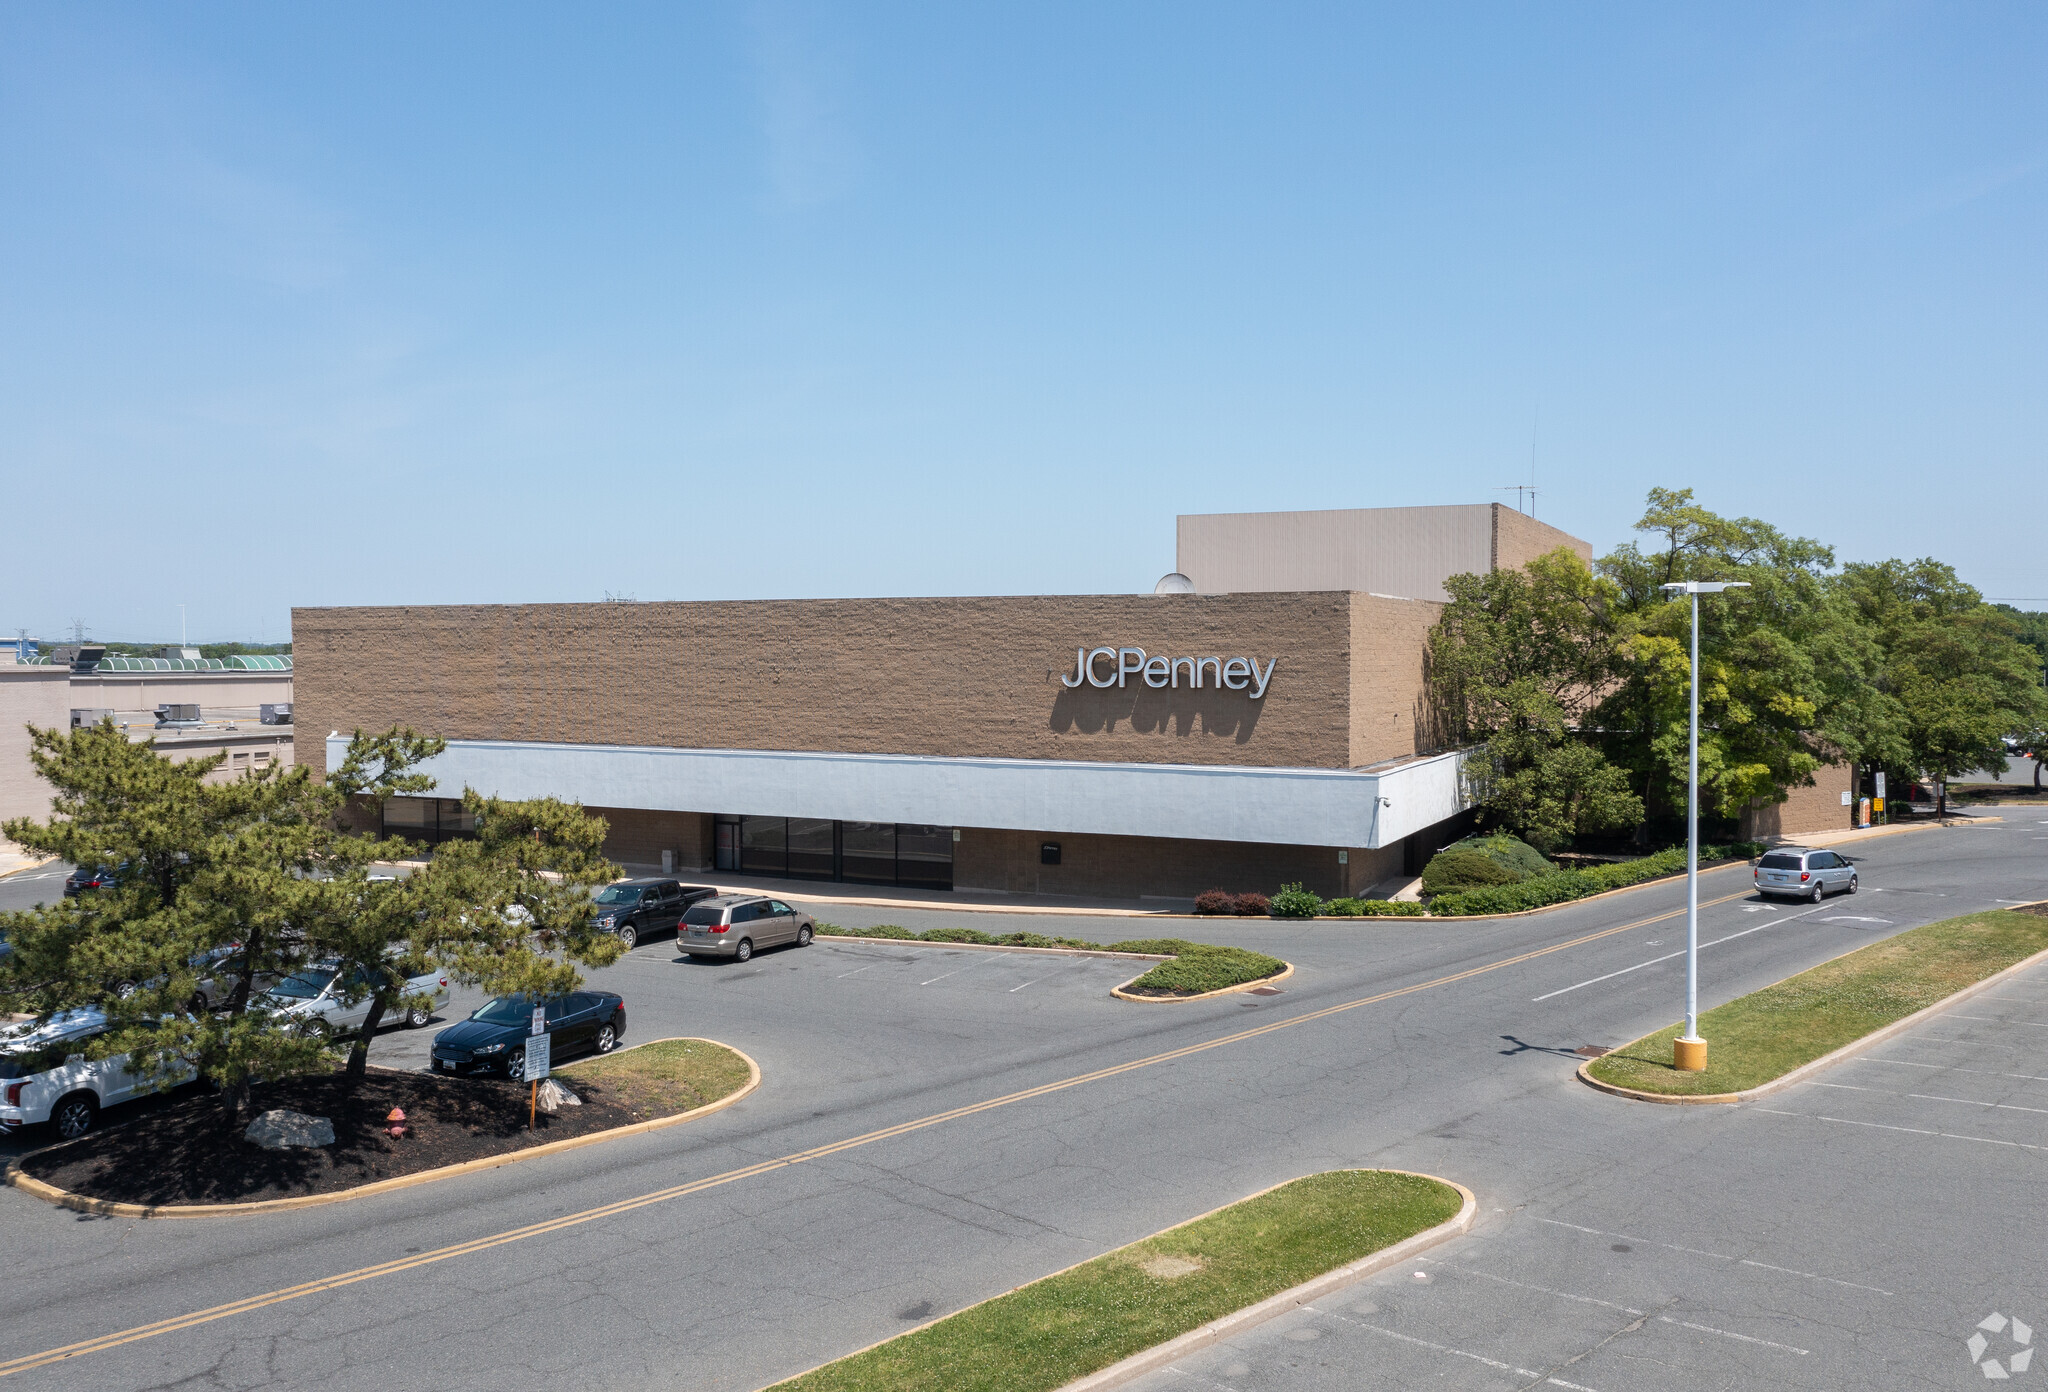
column 183, row 1152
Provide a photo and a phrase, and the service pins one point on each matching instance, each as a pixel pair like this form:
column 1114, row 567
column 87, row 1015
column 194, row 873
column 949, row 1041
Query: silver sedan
column 339, row 1002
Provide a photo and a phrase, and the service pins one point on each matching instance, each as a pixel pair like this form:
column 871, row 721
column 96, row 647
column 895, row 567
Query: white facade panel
column 1279, row 806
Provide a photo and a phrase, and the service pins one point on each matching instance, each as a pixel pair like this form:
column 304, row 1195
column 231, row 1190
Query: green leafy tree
column 1962, row 677
column 228, row 887
column 1786, row 668
column 1516, row 661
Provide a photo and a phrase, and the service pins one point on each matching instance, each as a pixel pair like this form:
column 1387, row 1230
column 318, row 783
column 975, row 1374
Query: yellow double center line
column 591, row 1215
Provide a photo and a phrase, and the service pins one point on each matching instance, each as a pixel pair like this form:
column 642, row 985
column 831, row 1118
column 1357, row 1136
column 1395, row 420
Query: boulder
column 283, row 1130
column 554, row 1097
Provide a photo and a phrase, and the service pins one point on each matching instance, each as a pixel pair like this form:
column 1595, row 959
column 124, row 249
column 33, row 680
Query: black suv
column 636, row 910
column 90, row 877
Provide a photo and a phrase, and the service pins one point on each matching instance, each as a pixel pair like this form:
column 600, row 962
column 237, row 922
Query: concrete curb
column 1812, row 1066
column 24, row 869
column 1121, row 994
column 1229, row 1326
column 79, row 1203
column 1003, row 947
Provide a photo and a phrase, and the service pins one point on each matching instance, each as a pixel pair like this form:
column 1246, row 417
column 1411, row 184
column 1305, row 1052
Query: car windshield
column 1780, row 862
column 303, row 985
column 619, row 894
column 506, row 1010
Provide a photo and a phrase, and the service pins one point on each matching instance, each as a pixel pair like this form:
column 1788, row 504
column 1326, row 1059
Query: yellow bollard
column 1689, row 1055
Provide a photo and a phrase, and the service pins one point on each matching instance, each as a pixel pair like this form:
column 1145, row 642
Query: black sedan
column 494, row 1038
column 90, row 877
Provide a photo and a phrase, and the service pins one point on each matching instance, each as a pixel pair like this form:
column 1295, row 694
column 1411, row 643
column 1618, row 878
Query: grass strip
column 1195, row 968
column 665, row 1077
column 1068, row 1325
column 1768, row 1033
column 1563, row 886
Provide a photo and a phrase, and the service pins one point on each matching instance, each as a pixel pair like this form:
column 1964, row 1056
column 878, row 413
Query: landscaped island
column 1766, row 1034
column 1070, row 1324
column 1196, row 968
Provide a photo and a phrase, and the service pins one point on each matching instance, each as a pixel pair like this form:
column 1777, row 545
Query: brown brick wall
column 637, row 838
column 1388, row 712
column 1805, row 811
column 1519, row 539
column 1115, row 866
column 960, row 677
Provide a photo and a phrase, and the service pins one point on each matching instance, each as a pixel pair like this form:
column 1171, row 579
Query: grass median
column 1194, row 968
column 664, row 1077
column 1070, row 1324
column 1766, row 1034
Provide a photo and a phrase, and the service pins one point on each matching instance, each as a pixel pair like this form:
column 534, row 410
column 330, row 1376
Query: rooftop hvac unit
column 180, row 716
column 84, row 719
column 278, row 714
column 87, row 657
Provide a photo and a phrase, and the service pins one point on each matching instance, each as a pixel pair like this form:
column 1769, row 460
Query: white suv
column 45, row 1077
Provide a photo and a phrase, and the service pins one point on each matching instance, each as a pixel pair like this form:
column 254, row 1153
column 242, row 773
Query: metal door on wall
column 727, row 846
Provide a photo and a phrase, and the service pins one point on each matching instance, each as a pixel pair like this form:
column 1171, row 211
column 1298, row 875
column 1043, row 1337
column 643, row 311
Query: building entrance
column 812, row 848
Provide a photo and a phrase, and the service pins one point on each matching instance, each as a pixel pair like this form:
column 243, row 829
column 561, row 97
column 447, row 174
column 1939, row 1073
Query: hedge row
column 1194, row 968
column 1565, row 885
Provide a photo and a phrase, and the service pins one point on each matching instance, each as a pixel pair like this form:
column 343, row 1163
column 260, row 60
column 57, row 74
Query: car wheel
column 1820, row 892
column 417, row 1019
column 629, row 935
column 1852, row 884
column 743, row 950
column 515, row 1067
column 197, row 1005
column 803, row 936
column 607, row 1038
column 73, row 1116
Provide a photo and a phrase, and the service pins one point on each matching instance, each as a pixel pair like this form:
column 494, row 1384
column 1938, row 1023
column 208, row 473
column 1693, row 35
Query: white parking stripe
column 1909, row 1130
column 1930, row 1097
column 1709, row 1329
column 1953, row 1068
column 943, row 975
column 1776, row 922
column 1993, row 1019
column 1458, row 1353
column 1717, row 1256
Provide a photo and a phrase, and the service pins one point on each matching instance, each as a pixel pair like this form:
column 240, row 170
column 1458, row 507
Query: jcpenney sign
column 1107, row 667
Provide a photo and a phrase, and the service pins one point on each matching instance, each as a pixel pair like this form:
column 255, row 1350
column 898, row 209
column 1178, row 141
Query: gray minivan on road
column 1800, row 873
column 733, row 925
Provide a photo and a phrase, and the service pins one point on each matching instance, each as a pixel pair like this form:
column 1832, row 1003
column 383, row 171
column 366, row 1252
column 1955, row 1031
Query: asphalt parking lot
column 1844, row 1233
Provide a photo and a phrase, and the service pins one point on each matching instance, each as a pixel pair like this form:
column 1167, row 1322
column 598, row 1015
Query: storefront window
column 924, row 856
column 868, row 852
column 810, row 848
column 432, row 820
column 764, row 845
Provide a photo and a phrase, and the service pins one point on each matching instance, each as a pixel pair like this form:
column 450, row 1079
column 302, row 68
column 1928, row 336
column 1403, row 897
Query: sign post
column 1877, row 803
column 539, row 1047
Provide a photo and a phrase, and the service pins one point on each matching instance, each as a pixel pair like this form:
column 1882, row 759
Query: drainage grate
column 1591, row 1051
column 1264, row 991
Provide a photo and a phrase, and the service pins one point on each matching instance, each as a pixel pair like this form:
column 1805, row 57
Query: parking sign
column 538, row 1050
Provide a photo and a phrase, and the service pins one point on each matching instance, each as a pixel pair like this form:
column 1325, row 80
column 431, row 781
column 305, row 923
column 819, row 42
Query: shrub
column 1457, row 868
column 1510, row 850
column 1295, row 902
column 1158, row 947
column 958, row 935
column 1253, row 906
column 1215, row 901
column 1390, row 908
column 1342, row 908
column 1566, row 885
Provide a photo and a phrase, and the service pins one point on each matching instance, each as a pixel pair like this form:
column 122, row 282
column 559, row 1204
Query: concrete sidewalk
column 896, row 897
column 14, row 860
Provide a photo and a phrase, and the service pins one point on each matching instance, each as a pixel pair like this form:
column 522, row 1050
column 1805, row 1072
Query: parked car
column 87, row 878
column 338, row 1002
column 494, row 1038
column 46, row 1078
column 637, row 910
column 1800, row 873
column 733, row 925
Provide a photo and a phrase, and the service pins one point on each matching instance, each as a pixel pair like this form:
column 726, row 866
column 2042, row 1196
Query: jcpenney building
column 1255, row 731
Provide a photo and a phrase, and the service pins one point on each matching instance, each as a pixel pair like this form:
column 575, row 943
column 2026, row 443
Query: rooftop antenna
column 1525, row 490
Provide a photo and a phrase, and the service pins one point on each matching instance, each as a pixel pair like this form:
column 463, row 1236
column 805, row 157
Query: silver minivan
column 1800, row 873
column 733, row 925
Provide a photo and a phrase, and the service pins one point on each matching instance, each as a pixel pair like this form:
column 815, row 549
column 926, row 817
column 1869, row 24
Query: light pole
column 1689, row 1051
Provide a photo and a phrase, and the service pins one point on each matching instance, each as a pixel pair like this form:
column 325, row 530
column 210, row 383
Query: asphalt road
column 820, row 1215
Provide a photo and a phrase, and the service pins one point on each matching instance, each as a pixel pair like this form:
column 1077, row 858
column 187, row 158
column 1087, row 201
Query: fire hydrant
column 395, row 1123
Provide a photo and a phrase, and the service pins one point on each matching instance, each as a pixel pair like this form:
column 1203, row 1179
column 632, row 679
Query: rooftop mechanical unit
column 177, row 717
column 275, row 714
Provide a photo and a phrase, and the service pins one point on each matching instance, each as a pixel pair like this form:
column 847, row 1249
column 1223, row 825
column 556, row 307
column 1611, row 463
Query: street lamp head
column 1704, row 586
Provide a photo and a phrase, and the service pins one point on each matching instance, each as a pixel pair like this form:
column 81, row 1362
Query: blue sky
column 377, row 304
